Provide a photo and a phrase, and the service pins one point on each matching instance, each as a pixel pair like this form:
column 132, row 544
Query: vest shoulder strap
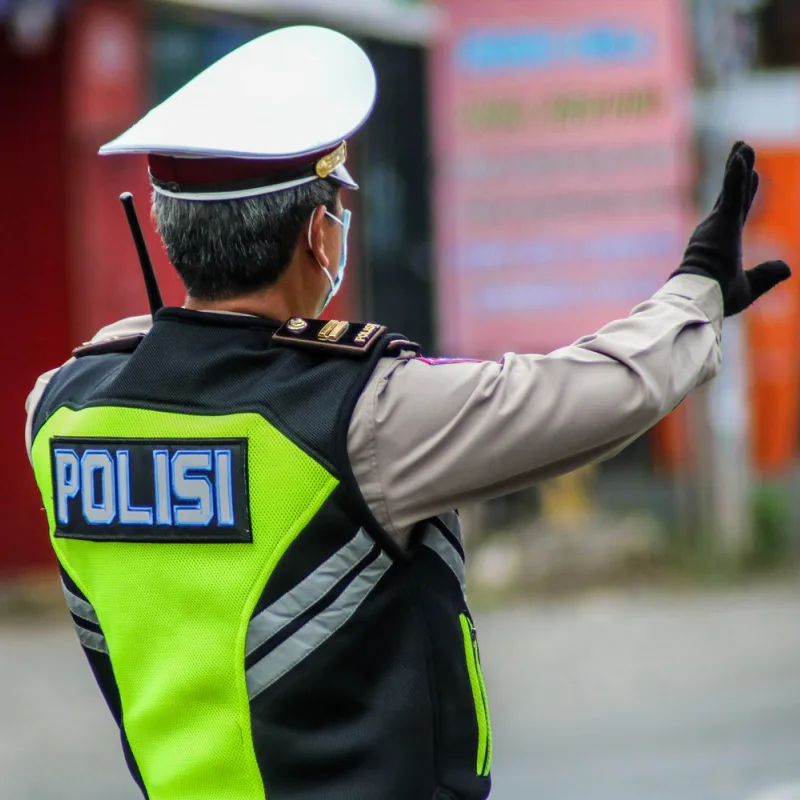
column 119, row 344
column 335, row 337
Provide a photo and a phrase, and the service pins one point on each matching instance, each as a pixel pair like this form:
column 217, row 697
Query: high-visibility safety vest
column 255, row 632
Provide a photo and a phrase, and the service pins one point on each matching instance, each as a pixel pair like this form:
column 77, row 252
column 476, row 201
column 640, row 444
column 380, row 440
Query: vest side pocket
column 484, row 755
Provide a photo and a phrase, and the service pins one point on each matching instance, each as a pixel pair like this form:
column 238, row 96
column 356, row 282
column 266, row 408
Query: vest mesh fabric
column 175, row 615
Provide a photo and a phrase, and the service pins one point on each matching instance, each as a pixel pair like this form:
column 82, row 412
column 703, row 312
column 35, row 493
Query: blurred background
column 532, row 170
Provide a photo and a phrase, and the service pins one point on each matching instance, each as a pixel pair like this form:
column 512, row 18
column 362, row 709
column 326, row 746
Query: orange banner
column 773, row 324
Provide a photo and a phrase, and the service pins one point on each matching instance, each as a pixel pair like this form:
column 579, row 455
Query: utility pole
column 719, row 427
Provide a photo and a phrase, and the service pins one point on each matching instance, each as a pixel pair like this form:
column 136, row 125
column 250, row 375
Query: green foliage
column 697, row 560
column 697, row 555
column 771, row 512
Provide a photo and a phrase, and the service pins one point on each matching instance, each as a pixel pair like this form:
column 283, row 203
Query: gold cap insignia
column 328, row 163
column 333, row 331
column 296, row 325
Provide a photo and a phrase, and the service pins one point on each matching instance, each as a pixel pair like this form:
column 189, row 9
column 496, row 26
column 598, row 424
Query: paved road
column 617, row 697
column 647, row 697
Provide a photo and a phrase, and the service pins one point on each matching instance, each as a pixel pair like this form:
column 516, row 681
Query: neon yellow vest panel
column 174, row 616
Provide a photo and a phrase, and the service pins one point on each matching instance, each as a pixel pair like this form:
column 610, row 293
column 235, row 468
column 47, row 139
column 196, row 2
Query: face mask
column 335, row 284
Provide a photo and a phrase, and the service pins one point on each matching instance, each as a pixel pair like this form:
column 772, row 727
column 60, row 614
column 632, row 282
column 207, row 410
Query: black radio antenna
column 150, row 280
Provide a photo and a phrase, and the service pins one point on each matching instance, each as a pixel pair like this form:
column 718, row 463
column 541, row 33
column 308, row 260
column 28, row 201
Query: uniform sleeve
column 125, row 327
column 427, row 437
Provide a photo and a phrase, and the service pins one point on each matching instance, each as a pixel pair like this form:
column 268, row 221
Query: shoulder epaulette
column 398, row 346
column 354, row 339
column 120, row 344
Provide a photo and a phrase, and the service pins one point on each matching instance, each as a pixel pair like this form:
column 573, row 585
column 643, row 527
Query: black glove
column 715, row 248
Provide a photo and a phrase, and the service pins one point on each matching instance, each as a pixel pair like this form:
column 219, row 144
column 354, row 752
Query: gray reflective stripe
column 441, row 545
column 309, row 591
column 83, row 609
column 92, row 640
column 290, row 653
column 80, row 608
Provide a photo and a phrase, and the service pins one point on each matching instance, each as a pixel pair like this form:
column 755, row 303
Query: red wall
column 107, row 69
column 34, row 269
column 69, row 265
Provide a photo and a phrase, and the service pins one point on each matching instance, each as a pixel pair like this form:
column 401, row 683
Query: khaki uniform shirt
column 426, row 438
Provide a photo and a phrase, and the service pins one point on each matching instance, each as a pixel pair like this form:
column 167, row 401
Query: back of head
column 225, row 249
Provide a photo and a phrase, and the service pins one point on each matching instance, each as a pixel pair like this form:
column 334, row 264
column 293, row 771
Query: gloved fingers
column 734, row 187
column 754, row 182
column 751, row 181
column 765, row 276
column 734, row 152
column 749, row 156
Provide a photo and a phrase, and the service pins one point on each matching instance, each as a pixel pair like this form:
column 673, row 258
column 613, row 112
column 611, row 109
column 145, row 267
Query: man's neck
column 289, row 297
column 269, row 305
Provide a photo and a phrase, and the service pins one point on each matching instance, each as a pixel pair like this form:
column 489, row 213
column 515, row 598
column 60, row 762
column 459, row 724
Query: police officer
column 251, row 507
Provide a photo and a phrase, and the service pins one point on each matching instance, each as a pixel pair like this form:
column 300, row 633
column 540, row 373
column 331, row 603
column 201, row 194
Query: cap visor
column 341, row 175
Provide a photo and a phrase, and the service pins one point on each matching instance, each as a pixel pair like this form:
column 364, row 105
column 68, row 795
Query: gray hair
column 224, row 249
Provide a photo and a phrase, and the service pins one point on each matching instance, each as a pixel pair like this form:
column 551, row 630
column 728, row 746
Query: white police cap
column 272, row 114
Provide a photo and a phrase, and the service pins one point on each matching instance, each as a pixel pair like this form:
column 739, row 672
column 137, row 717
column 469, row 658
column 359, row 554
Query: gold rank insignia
column 335, row 336
column 333, row 331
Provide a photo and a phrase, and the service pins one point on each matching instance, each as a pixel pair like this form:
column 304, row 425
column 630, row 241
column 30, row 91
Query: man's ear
column 316, row 236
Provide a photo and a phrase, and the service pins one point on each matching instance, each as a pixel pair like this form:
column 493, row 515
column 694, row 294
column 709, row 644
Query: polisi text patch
column 141, row 490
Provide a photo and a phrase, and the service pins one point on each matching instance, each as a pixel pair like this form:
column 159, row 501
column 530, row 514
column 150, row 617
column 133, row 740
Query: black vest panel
column 387, row 707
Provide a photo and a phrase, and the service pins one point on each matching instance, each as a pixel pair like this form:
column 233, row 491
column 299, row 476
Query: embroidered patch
column 143, row 490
